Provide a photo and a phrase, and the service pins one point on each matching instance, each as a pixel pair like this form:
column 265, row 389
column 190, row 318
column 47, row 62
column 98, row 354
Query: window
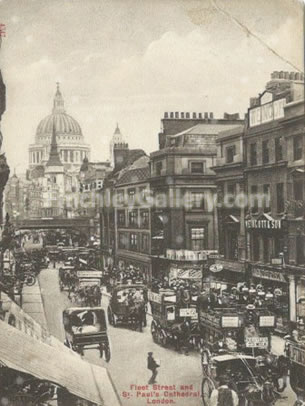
column 230, row 154
column 266, row 190
column 120, row 197
column 145, row 242
column 254, row 201
column 253, row 154
column 197, row 238
column 133, row 218
column 298, row 185
column 71, row 156
column 231, row 189
column 278, row 149
column 143, row 193
column 133, row 239
column 265, row 152
column 280, row 197
column 66, row 156
column 197, row 200
column 144, row 215
column 197, row 167
column 123, row 240
column 255, row 247
column 297, row 147
column 159, row 166
column 121, row 218
column 131, row 195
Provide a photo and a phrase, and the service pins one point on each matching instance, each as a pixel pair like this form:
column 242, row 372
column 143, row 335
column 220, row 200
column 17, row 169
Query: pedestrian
column 152, row 365
column 223, row 395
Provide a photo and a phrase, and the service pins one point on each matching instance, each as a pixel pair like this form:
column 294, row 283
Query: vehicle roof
column 229, row 357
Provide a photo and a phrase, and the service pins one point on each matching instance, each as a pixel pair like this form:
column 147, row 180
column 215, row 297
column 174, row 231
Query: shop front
column 273, row 280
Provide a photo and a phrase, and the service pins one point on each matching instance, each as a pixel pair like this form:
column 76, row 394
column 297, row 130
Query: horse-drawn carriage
column 67, row 277
column 295, row 352
column 128, row 306
column 175, row 318
column 85, row 329
column 240, row 373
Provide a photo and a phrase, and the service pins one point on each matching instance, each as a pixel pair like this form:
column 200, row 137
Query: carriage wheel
column 207, row 387
column 107, row 354
column 163, row 338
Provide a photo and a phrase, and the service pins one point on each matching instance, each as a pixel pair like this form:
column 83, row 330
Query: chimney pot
column 166, row 114
column 187, row 115
column 194, row 115
column 177, row 114
column 182, row 115
column 172, row 115
column 206, row 115
column 211, row 115
column 286, row 74
column 281, row 75
column 199, row 115
column 291, row 75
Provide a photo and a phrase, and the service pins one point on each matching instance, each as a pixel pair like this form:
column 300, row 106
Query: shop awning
column 23, row 353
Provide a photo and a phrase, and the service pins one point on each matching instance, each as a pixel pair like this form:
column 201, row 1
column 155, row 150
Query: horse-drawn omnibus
column 128, row 306
column 175, row 318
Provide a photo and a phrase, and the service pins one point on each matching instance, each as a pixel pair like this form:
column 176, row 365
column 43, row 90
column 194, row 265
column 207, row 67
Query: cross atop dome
column 58, row 104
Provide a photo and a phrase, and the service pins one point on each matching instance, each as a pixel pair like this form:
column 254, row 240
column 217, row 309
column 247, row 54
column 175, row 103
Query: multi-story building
column 91, row 179
column 123, row 159
column 274, row 166
column 133, row 217
column 184, row 224
column 231, row 214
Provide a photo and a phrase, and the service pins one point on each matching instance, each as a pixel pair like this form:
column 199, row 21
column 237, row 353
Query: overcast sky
column 129, row 61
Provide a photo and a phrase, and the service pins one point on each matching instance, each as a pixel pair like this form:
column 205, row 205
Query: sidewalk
column 32, row 303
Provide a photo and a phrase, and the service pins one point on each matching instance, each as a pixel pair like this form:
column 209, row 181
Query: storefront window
column 197, row 238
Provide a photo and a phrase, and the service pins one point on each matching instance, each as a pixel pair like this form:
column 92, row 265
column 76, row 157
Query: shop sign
column 297, row 354
column 191, row 312
column 264, row 224
column 266, row 321
column 216, row 256
column 277, row 261
column 230, row 321
column 154, row 297
column 216, row 268
column 256, row 342
column 88, row 282
column 266, row 274
column 231, row 265
column 267, row 112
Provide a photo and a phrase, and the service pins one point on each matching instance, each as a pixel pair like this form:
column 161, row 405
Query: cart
column 86, row 328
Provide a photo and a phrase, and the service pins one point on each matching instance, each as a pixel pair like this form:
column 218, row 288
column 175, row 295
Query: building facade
column 273, row 143
column 185, row 222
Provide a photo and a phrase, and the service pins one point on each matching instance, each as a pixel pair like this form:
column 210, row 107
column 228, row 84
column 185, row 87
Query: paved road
column 129, row 351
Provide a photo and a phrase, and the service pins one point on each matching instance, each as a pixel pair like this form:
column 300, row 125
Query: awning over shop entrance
column 23, row 353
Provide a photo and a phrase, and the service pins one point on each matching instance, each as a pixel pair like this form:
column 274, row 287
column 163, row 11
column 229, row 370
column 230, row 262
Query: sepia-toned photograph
column 152, row 203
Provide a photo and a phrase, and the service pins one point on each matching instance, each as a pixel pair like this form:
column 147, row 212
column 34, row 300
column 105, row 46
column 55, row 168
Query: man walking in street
column 152, row 366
